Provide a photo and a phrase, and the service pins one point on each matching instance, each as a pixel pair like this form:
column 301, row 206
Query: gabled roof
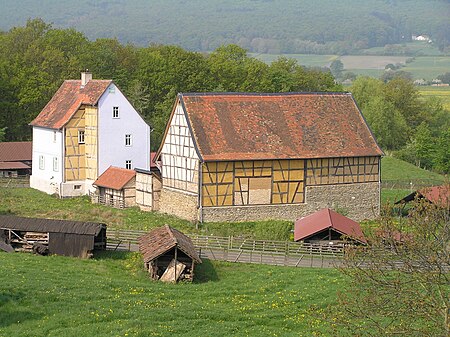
column 16, row 151
column 162, row 239
column 438, row 195
column 325, row 219
column 244, row 126
column 66, row 101
column 13, row 165
column 115, row 178
column 50, row 225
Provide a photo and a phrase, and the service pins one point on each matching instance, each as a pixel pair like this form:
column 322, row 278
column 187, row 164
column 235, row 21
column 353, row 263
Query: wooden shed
column 326, row 226
column 116, row 187
column 48, row 236
column 169, row 255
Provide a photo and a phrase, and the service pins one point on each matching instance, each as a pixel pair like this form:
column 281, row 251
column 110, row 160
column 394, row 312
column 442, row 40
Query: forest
column 36, row 58
column 261, row 26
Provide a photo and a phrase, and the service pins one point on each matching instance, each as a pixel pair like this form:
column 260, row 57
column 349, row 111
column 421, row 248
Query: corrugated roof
column 16, row 151
column 13, row 165
column 66, row 101
column 162, row 239
column 238, row 126
column 50, row 225
column 115, row 178
column 324, row 219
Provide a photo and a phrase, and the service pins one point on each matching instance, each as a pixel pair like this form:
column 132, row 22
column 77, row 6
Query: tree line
column 35, row 59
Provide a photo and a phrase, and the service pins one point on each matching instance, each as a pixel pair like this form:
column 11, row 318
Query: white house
column 86, row 127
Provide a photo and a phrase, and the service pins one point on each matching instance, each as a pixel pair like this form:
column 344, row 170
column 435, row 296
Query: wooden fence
column 239, row 249
column 107, row 201
column 15, row 182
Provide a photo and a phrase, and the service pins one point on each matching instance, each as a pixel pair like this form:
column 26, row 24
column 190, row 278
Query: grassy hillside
column 393, row 169
column 111, row 296
column 339, row 25
column 441, row 92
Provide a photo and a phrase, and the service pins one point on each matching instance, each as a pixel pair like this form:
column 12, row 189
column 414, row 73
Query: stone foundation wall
column 178, row 203
column 357, row 201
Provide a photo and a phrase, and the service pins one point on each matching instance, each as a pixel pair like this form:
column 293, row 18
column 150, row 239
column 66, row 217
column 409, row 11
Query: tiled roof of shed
column 162, row 239
column 239, row 126
column 438, row 195
column 15, row 151
column 324, row 219
column 115, row 178
column 66, row 101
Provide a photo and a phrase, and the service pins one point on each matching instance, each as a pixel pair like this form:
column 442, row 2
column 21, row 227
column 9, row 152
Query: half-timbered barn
column 49, row 236
column 87, row 126
column 116, row 187
column 328, row 227
column 168, row 254
column 237, row 156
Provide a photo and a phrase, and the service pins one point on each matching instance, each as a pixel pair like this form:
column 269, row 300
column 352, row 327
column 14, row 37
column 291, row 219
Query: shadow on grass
column 17, row 315
column 205, row 272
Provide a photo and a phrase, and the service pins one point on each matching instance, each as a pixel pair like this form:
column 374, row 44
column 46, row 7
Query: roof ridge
column 169, row 230
column 239, row 93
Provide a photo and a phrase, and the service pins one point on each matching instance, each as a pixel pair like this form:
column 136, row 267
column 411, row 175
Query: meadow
column 111, row 295
column 442, row 93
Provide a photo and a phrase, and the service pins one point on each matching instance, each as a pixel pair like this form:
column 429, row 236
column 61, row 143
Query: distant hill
column 264, row 26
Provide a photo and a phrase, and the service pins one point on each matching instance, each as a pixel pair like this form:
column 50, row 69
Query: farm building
column 327, row 226
column 241, row 156
column 116, row 187
column 168, row 254
column 437, row 195
column 48, row 236
column 15, row 159
column 87, row 126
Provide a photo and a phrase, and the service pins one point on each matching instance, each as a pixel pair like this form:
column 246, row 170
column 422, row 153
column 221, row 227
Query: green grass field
column 111, row 296
column 441, row 92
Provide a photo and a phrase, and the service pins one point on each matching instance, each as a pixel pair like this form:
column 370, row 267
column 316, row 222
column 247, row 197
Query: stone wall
column 357, row 201
column 178, row 203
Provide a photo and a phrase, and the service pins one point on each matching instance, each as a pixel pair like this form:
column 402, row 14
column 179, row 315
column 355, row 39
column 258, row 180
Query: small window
column 41, row 162
column 80, row 136
column 77, row 187
column 54, row 136
column 55, row 164
column 127, row 140
column 112, row 89
column 128, row 164
column 115, row 112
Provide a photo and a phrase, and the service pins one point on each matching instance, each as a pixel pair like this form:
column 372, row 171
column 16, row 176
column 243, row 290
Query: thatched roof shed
column 168, row 254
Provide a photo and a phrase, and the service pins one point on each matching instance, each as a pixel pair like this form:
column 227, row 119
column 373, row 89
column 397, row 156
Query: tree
column 399, row 283
column 336, row 68
column 445, row 78
column 387, row 123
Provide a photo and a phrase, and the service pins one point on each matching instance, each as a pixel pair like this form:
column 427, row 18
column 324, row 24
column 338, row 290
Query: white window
column 115, row 112
column 41, row 162
column 112, row 89
column 54, row 136
column 80, row 136
column 55, row 164
column 127, row 140
column 128, row 164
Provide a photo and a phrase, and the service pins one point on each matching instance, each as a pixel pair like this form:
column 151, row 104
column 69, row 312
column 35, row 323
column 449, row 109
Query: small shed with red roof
column 327, row 226
column 15, row 159
column 116, row 187
column 437, row 195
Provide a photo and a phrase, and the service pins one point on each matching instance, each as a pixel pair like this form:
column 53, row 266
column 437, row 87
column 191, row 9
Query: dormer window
column 80, row 136
column 115, row 112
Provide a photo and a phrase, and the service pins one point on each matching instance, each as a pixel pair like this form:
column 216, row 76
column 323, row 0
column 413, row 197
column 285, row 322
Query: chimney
column 86, row 76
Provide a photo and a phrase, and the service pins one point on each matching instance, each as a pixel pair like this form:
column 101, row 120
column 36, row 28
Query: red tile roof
column 16, row 151
column 115, row 178
column 438, row 195
column 13, row 165
column 239, row 126
column 162, row 239
column 324, row 219
column 152, row 159
column 66, row 101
